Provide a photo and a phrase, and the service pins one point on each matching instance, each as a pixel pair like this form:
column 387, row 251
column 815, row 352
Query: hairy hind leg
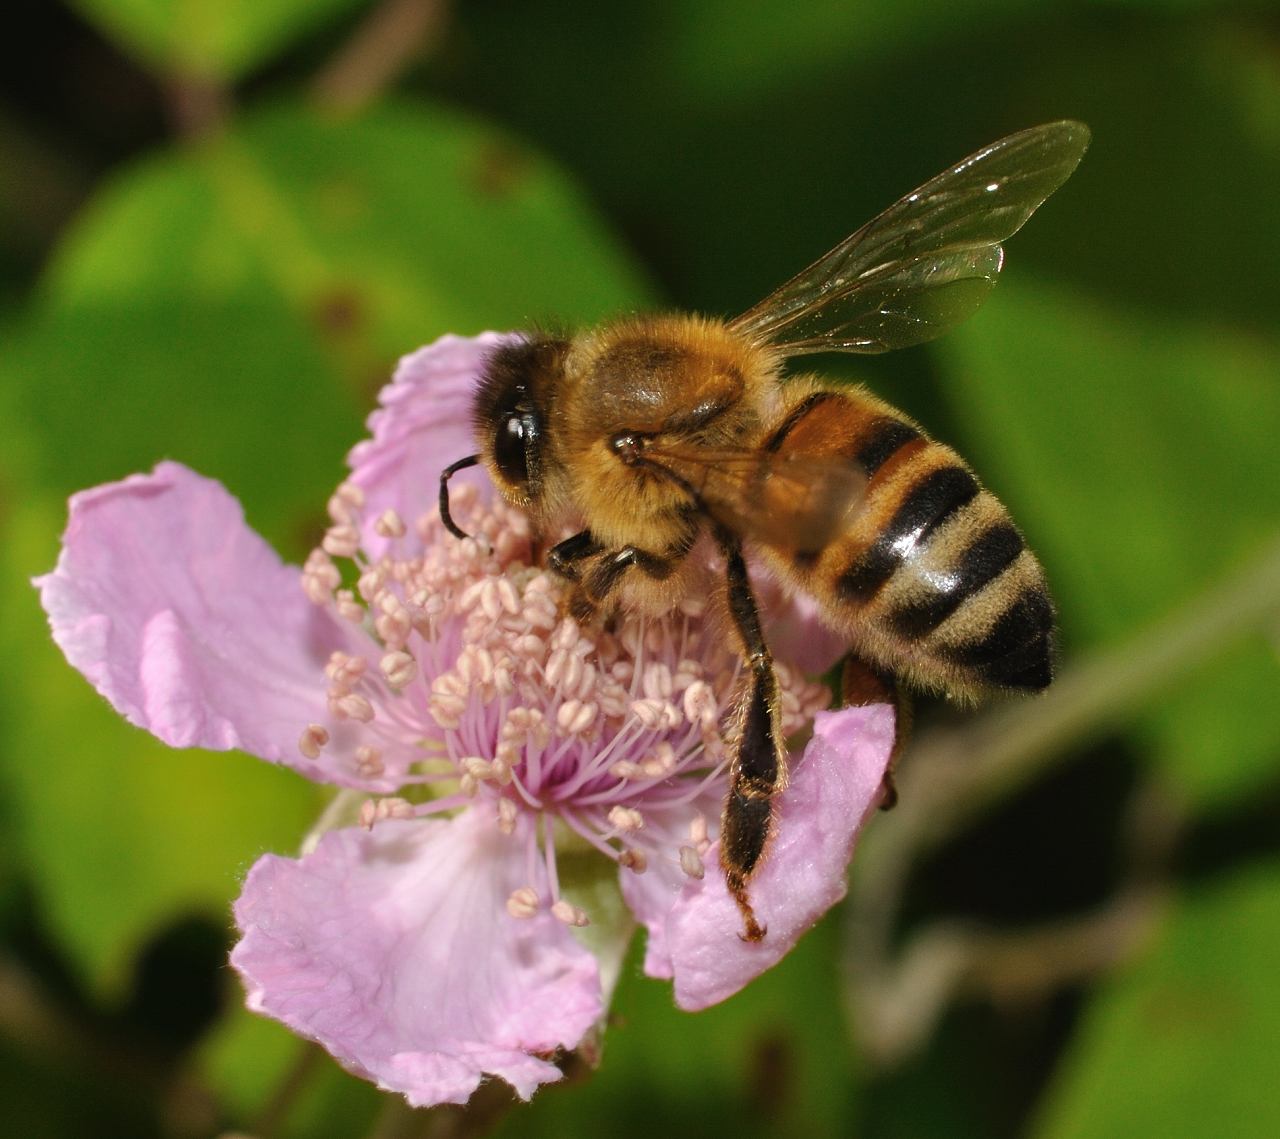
column 759, row 769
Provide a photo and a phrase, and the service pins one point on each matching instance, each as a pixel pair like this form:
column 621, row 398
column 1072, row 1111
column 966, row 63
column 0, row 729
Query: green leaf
column 235, row 388
column 1139, row 455
column 395, row 226
column 1184, row 1042
column 213, row 39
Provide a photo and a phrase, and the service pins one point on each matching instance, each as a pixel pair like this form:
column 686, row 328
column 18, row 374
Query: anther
column 371, row 581
column 503, row 768
column 569, row 914
column 352, row 706
column 700, row 704
column 523, row 902
column 344, row 670
column 350, row 494
column 698, row 830
column 507, row 596
column 313, row 738
column 657, row 681
column 342, row 541
column 389, row 525
column 320, row 577
column 691, row 862
column 625, row 818
column 349, row 609
column 399, row 668
column 478, row 768
column 375, row 810
column 446, row 709
column 662, row 763
column 507, row 814
column 368, row 761
column 692, row 606
column 651, row 713
column 574, row 717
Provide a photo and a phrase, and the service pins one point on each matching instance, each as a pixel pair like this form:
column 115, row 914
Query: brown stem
column 477, row 1117
column 196, row 106
column 393, row 35
column 292, row 1083
column 897, row 1008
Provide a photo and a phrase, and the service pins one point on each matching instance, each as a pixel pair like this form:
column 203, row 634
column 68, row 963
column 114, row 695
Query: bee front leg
column 759, row 770
column 564, row 556
column 597, row 584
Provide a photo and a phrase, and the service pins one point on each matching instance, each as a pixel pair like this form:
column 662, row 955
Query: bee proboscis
column 648, row 432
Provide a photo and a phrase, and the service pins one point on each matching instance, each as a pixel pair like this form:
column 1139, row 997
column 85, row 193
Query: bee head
column 509, row 419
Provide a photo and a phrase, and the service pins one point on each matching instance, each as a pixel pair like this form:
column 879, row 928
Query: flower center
column 487, row 696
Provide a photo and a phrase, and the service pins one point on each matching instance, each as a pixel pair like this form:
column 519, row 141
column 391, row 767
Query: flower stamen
column 484, row 690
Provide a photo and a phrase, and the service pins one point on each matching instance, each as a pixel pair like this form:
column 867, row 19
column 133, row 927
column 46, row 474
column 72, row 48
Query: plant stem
column 394, row 34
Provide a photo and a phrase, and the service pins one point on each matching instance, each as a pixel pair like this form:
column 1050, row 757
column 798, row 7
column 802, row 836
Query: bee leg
column 862, row 684
column 564, row 556
column 610, row 567
column 759, row 770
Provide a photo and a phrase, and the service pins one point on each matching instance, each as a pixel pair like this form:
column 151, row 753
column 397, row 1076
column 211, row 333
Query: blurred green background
column 222, row 221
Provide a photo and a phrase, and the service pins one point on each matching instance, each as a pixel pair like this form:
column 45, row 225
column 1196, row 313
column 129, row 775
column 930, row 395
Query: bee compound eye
column 509, row 450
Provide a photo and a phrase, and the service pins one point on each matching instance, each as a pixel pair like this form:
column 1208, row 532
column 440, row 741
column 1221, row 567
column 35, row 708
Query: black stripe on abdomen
column 925, row 507
column 987, row 557
column 794, row 416
column 1017, row 650
column 887, row 436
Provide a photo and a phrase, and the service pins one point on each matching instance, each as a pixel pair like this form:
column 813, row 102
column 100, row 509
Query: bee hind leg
column 759, row 769
column 862, row 684
column 755, row 778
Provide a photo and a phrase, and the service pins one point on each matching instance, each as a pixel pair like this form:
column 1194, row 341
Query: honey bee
column 649, row 432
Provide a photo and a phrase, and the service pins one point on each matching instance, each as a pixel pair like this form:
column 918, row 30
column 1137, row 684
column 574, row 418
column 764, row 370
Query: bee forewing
column 787, row 501
column 928, row 261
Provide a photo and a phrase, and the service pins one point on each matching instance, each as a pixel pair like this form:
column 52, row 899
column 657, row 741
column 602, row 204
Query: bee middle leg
column 759, row 770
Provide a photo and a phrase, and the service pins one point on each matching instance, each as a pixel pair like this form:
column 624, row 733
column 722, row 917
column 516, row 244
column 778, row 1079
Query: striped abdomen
column 927, row 573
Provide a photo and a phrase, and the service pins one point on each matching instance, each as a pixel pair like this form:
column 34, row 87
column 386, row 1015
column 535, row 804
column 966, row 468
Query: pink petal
column 395, row 951
column 422, row 425
column 796, row 633
column 835, row 787
column 188, row 622
column 651, row 895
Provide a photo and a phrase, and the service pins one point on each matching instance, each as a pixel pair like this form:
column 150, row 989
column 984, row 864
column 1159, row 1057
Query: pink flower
column 443, row 940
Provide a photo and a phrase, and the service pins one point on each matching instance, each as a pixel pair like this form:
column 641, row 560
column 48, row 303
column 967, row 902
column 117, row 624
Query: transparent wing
column 928, row 261
column 788, row 501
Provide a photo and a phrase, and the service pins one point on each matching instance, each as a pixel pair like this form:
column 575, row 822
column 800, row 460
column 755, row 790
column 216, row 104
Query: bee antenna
column 445, row 476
